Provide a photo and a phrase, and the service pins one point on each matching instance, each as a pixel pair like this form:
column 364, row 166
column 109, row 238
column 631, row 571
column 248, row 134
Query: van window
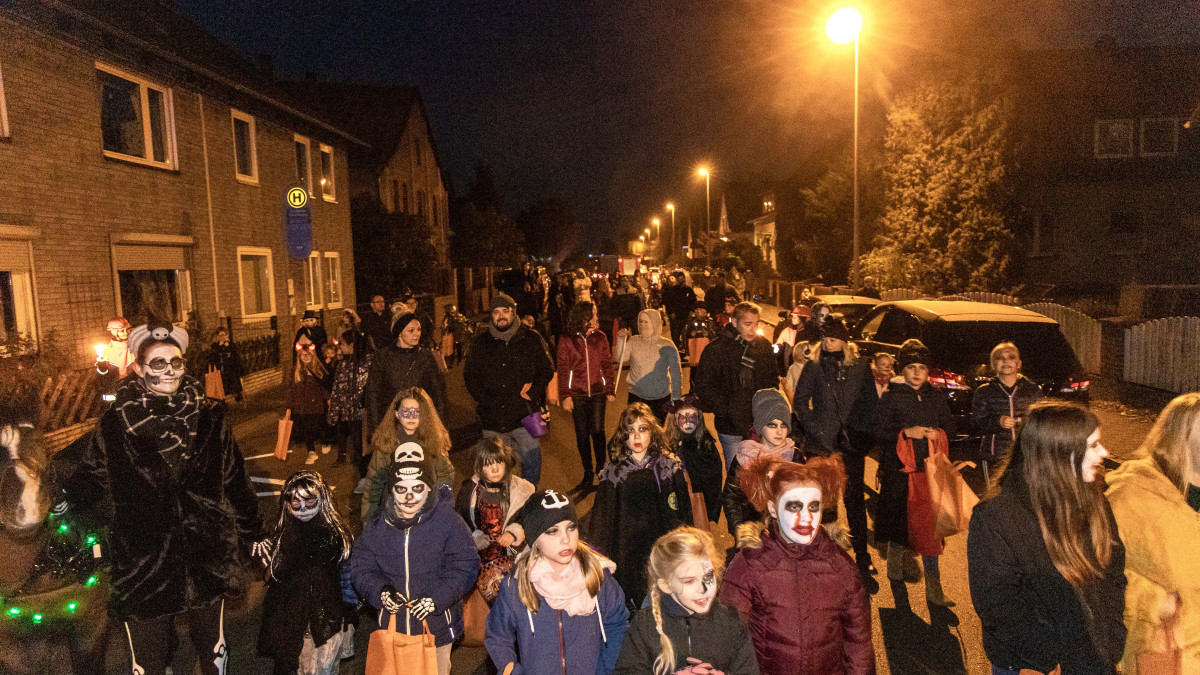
column 898, row 326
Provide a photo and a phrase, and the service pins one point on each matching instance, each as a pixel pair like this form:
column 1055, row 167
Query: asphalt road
column 907, row 639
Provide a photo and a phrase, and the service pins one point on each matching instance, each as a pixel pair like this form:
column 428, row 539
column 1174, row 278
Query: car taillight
column 1073, row 385
column 947, row 380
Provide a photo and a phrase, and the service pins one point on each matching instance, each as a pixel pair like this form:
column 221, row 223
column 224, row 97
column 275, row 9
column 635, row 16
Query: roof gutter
column 168, row 56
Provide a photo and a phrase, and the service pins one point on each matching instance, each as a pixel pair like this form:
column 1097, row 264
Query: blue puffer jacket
column 553, row 641
column 434, row 558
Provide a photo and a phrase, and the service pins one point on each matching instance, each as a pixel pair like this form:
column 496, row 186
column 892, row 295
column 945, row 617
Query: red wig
column 765, row 479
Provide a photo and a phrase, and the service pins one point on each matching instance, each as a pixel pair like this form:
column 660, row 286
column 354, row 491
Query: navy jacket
column 990, row 403
column 434, row 558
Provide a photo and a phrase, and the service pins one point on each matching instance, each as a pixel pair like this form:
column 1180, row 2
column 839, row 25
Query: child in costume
column 642, row 495
column 488, row 501
column 307, row 396
column 306, row 614
column 345, row 412
column 772, row 424
column 686, row 631
column 223, row 355
column 798, row 591
column 410, row 419
column 689, row 439
column 560, row 610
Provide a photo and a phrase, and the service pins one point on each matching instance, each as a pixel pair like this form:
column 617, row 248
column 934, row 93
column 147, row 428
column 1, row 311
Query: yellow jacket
column 1161, row 534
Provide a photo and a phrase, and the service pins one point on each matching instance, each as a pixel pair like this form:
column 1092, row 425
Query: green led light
column 37, row 618
column 63, row 528
column 91, row 581
column 71, row 607
column 14, row 611
column 91, row 539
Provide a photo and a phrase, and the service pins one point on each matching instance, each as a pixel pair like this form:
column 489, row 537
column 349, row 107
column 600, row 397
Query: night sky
column 613, row 104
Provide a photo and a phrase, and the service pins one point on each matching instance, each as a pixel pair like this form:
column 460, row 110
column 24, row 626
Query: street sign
column 298, row 222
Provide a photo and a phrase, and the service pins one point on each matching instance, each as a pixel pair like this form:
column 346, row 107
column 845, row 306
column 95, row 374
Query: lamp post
column 707, row 200
column 671, row 208
column 842, row 27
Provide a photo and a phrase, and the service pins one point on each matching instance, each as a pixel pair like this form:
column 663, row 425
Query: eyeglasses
column 160, row 365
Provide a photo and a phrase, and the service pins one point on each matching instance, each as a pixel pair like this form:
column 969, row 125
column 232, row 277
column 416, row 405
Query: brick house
column 143, row 167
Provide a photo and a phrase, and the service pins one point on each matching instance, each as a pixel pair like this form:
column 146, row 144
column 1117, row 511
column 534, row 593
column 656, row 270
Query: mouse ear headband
column 158, row 333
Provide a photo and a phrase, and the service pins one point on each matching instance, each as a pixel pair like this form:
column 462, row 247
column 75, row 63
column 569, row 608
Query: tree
column 481, row 233
column 824, row 241
column 392, row 251
column 948, row 168
column 550, row 228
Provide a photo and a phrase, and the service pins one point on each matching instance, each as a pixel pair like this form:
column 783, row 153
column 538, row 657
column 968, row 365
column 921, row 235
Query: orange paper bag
column 695, row 348
column 392, row 653
column 952, row 499
column 214, row 387
column 284, row 437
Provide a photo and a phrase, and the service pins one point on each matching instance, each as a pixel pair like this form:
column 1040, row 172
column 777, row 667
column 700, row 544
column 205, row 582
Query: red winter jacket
column 805, row 605
column 585, row 365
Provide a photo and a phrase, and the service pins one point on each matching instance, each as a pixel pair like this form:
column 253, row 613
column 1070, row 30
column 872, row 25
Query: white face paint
column 408, row 452
column 693, row 585
column 162, row 370
column 688, row 420
column 799, row 513
column 409, row 496
column 304, row 505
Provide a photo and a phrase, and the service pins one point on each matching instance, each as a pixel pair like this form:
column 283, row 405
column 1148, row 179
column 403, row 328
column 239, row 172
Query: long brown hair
column 431, row 434
column 1050, row 446
column 579, row 318
column 618, row 452
column 1169, row 442
column 669, row 552
column 493, row 450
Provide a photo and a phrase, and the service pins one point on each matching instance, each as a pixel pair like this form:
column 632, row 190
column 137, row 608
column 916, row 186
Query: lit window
column 245, row 156
column 16, row 305
column 256, row 281
column 327, row 173
column 1159, row 136
column 1113, row 138
column 136, row 119
column 333, row 278
column 312, row 281
column 304, row 163
column 4, row 133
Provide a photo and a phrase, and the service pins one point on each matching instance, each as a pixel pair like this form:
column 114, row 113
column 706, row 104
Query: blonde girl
column 307, row 396
column 410, row 418
column 686, row 631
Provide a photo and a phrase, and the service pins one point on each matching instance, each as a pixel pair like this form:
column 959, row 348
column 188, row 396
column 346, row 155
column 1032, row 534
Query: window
column 136, row 119
column 17, row 316
column 1159, row 136
column 3, row 110
column 333, row 277
column 304, row 163
column 312, row 281
column 327, row 174
column 1114, row 138
column 898, row 326
column 153, row 293
column 245, row 154
column 256, row 281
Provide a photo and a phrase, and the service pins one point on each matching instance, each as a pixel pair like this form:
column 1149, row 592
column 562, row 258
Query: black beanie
column 401, row 323
column 913, row 351
column 835, row 327
column 542, row 511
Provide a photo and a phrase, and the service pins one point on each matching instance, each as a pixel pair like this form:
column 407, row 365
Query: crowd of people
column 1071, row 570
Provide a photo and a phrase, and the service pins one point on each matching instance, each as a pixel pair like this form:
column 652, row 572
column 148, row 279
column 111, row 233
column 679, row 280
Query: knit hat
column 543, row 511
column 912, row 351
column 769, row 405
column 835, row 327
column 402, row 322
column 502, row 300
column 410, row 470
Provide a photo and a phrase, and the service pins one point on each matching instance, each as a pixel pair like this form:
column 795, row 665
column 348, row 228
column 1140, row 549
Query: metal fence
column 901, row 294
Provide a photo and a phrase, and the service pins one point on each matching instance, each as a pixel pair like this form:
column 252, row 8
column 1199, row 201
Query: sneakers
column 312, row 458
column 361, row 487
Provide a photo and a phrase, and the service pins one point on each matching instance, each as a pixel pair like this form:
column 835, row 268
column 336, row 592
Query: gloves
column 390, row 600
column 262, row 551
column 421, row 608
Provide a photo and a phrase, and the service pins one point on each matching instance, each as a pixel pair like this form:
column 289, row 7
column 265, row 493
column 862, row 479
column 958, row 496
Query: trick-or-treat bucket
column 534, row 424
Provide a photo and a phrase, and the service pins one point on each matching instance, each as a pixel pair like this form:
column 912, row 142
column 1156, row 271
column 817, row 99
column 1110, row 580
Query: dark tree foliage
column 482, row 234
column 824, row 238
column 392, row 251
column 550, row 228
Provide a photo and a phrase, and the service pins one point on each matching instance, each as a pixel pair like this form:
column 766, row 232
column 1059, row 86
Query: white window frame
column 1096, row 139
column 314, row 298
column 171, row 149
column 333, row 277
column 256, row 251
column 252, row 177
column 327, row 180
column 4, row 131
column 1142, row 136
column 307, row 143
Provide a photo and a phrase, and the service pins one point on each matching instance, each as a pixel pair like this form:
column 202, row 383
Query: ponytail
column 665, row 662
column 672, row 549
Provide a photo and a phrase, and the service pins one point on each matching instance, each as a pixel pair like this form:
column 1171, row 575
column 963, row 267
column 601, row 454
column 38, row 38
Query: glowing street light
column 671, row 208
column 703, row 171
column 843, row 27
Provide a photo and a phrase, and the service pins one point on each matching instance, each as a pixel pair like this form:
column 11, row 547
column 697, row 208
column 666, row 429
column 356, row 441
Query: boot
column 895, row 562
column 934, row 594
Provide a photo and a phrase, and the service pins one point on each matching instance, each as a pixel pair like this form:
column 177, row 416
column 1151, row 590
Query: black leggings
column 658, row 406
column 350, row 444
column 855, row 498
column 588, row 413
column 152, row 642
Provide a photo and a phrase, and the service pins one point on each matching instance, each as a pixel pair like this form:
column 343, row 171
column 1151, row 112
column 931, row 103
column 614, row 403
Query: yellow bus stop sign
column 297, row 197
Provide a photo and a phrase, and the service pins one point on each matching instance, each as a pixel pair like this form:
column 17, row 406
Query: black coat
column 394, row 368
column 724, row 389
column 495, row 371
column 902, row 407
column 625, row 308
column 991, row 402
column 305, row 591
column 225, row 358
column 378, row 327
column 718, row 637
column 174, row 543
column 827, row 400
column 703, row 464
column 1031, row 617
column 678, row 300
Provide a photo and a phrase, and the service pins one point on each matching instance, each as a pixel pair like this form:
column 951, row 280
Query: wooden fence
column 1164, row 354
column 994, row 298
column 901, row 294
column 1081, row 331
column 69, row 398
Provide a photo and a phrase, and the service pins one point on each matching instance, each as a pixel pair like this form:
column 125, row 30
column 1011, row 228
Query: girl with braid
column 685, row 631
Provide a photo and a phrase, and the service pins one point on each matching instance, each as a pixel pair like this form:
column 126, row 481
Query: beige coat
column 1161, row 534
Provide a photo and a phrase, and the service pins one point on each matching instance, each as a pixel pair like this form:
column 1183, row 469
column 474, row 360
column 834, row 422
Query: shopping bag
column 284, row 436
column 1169, row 662
column 392, row 653
column 475, row 613
column 213, row 386
column 552, row 391
column 952, row 500
column 699, row 506
column 695, row 347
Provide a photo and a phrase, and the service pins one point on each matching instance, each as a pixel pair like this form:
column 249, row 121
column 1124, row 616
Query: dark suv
column 961, row 336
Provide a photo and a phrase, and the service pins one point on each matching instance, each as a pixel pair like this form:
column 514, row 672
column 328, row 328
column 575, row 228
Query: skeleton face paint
column 409, row 496
column 688, row 420
column 304, row 505
column 799, row 513
column 165, row 373
column 693, row 585
column 409, row 414
column 408, row 452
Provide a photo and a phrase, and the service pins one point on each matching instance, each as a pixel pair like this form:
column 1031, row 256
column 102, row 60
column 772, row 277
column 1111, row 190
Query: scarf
column 170, row 421
column 746, row 373
column 565, row 590
column 748, row 451
column 881, row 378
column 504, row 335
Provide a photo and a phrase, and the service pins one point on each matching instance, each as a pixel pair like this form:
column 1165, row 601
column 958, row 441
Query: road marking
column 272, row 481
column 266, row 454
column 266, row 494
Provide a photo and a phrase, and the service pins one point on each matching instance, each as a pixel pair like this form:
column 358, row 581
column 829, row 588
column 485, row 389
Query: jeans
column 588, row 415
column 529, row 451
column 729, row 446
column 152, row 641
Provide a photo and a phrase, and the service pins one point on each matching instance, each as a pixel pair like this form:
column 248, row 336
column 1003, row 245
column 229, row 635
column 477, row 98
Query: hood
column 1141, row 475
column 443, row 493
column 655, row 324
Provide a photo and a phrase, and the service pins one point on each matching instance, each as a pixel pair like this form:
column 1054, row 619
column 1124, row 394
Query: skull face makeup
column 409, row 496
column 693, row 585
column 408, row 452
column 162, row 370
column 688, row 420
column 304, row 505
column 799, row 513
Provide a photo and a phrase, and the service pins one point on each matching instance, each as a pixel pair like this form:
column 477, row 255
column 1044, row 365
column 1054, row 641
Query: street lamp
column 671, row 208
column 842, row 27
column 707, row 201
